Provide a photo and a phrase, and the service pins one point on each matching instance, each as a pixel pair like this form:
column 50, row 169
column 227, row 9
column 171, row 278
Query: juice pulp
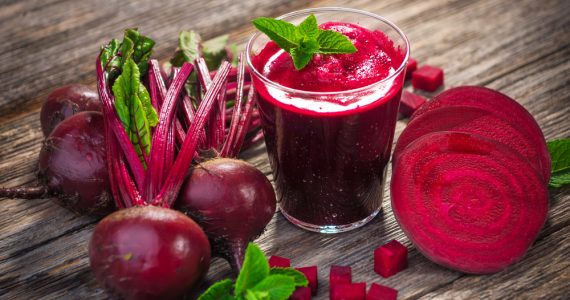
column 329, row 156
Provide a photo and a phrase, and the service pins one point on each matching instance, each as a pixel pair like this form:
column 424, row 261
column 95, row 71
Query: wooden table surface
column 521, row 48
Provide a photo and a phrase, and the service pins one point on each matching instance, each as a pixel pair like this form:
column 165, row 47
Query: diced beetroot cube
column 301, row 293
column 390, row 259
column 380, row 292
column 311, row 274
column 411, row 67
column 349, row 291
column 409, row 103
column 279, row 262
column 339, row 275
column 427, row 78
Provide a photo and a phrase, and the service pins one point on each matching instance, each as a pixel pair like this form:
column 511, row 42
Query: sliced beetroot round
column 499, row 104
column 470, row 119
column 467, row 202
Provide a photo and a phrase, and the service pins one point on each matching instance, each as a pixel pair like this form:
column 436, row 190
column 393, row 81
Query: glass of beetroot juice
column 329, row 127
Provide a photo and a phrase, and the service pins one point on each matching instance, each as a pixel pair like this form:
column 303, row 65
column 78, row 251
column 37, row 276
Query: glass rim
column 329, row 9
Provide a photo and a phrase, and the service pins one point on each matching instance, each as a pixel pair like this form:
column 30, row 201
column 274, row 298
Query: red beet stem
column 216, row 122
column 189, row 114
column 203, row 74
column 135, row 164
column 111, row 151
column 232, row 134
column 160, row 137
column 175, row 178
column 244, row 123
column 31, row 192
column 252, row 140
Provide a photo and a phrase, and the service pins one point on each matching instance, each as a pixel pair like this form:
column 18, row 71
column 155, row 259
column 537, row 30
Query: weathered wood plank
column 519, row 48
column 51, row 43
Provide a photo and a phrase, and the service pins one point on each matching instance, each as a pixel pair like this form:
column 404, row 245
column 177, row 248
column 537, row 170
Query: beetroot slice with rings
column 500, row 105
column 467, row 202
column 470, row 119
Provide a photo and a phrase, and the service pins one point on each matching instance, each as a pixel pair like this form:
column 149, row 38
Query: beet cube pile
column 388, row 260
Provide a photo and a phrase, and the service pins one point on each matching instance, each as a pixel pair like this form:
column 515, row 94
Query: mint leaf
column 255, row 269
column 282, row 33
column 132, row 102
column 332, row 42
column 253, row 295
column 214, row 51
column 221, row 290
column 560, row 155
column 302, row 42
column 188, row 48
column 300, row 58
column 279, row 287
column 299, row 278
column 309, row 27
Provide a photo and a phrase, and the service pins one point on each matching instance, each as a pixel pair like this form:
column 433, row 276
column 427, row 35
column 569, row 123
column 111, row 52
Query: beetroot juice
column 329, row 127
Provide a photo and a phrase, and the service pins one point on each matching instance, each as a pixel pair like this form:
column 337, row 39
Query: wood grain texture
column 517, row 47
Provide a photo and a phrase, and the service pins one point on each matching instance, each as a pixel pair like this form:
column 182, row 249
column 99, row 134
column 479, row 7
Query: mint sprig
column 257, row 281
column 560, row 155
column 305, row 40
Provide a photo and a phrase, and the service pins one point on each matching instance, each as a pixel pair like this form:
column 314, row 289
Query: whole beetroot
column 232, row 201
column 73, row 167
column 65, row 102
column 149, row 253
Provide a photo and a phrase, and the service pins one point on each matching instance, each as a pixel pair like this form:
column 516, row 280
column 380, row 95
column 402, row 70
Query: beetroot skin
column 149, row 253
column 500, row 105
column 73, row 167
column 232, row 201
column 390, row 259
column 467, row 202
column 66, row 101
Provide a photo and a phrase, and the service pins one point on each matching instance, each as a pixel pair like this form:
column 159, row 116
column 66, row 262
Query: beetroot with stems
column 72, row 167
column 279, row 262
column 380, row 292
column 427, row 78
column 467, row 202
column 65, row 102
column 390, row 259
column 149, row 253
column 349, row 291
column 470, row 120
column 500, row 105
column 232, row 200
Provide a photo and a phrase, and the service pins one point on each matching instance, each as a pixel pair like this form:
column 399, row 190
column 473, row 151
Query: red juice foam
column 329, row 152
